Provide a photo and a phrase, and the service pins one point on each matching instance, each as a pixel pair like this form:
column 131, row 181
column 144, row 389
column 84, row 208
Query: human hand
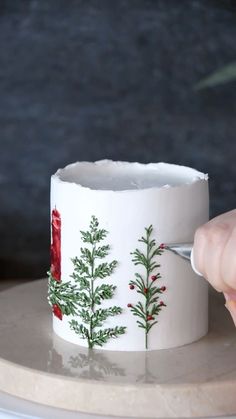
column 214, row 255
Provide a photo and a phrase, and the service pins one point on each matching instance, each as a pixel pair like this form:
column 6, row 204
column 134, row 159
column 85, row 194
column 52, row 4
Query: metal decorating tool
column 185, row 251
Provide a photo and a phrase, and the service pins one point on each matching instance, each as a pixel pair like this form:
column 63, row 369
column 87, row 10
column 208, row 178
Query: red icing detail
column 161, row 303
column 150, row 318
column 57, row 311
column 131, row 286
column 163, row 288
column 145, row 290
column 56, row 245
column 130, row 305
column 162, row 246
column 153, row 277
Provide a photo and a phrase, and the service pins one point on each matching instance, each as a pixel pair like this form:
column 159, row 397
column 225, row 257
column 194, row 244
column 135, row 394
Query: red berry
column 150, row 318
column 163, row 288
column 131, row 286
column 57, row 311
column 145, row 290
column 130, row 305
column 153, row 277
column 161, row 303
column 162, row 246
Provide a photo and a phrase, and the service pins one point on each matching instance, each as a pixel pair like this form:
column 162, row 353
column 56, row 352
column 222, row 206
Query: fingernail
column 231, row 306
column 193, row 264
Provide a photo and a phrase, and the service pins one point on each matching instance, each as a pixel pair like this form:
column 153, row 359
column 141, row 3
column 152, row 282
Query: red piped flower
column 56, row 246
column 149, row 318
column 129, row 305
column 163, row 288
column 153, row 277
column 145, row 290
column 131, row 286
column 57, row 311
column 162, row 246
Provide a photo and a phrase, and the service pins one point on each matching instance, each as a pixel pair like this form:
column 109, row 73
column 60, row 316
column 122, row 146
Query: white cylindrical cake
column 112, row 284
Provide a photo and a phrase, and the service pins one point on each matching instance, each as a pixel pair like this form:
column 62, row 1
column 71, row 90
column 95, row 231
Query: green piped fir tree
column 87, row 274
column 63, row 297
column 148, row 309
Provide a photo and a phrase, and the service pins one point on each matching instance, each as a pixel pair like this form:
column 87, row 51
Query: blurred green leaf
column 221, row 76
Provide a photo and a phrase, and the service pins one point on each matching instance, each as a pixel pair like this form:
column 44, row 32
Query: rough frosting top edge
column 197, row 176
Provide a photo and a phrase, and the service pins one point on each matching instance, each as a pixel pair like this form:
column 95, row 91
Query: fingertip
column 230, row 295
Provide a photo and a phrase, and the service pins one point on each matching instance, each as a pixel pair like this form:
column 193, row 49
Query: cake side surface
column 122, row 290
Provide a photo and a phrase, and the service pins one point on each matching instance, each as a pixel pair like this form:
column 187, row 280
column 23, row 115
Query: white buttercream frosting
column 121, row 176
column 126, row 198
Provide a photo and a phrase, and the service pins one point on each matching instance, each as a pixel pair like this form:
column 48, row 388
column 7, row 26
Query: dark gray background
column 107, row 79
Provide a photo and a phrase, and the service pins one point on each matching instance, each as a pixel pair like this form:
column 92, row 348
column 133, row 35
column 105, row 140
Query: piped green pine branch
column 147, row 310
column 64, row 295
column 87, row 272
